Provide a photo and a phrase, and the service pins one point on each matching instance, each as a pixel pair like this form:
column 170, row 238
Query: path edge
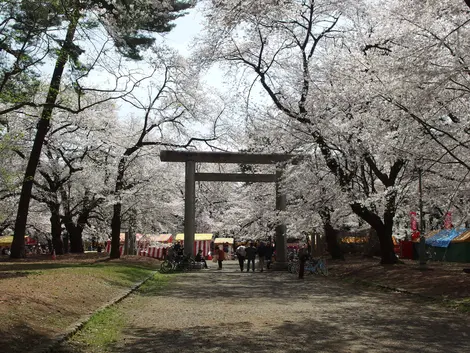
column 77, row 326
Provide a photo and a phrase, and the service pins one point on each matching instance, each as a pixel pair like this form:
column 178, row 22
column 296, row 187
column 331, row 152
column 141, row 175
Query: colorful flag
column 414, row 222
column 448, row 221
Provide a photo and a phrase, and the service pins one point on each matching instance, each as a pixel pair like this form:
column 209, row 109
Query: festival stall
column 5, row 242
column 122, row 239
column 450, row 245
column 201, row 241
column 8, row 239
column 227, row 244
column 154, row 245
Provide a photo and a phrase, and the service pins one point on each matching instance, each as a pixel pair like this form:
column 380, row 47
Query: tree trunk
column 387, row 251
column 332, row 242
column 116, row 221
column 115, row 232
column 56, row 230
column 18, row 246
column 384, row 230
column 65, row 240
column 331, row 235
column 76, row 242
column 467, row 2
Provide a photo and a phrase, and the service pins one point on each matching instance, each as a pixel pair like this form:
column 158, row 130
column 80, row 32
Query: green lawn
column 42, row 299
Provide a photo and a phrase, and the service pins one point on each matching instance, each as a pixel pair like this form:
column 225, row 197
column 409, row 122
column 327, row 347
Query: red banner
column 448, row 221
column 414, row 222
column 414, row 226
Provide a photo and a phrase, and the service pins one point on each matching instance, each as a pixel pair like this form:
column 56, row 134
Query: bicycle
column 184, row 263
column 167, row 266
column 320, row 267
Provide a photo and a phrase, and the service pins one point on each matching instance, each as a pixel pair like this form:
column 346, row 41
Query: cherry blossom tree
column 286, row 47
column 174, row 101
column 121, row 22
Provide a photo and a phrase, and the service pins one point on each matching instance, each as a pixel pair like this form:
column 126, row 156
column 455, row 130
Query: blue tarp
column 444, row 237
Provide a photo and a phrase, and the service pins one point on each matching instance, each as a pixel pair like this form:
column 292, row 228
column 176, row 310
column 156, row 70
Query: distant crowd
column 263, row 251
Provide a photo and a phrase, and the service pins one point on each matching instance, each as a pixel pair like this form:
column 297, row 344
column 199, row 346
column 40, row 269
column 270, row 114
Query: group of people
column 264, row 252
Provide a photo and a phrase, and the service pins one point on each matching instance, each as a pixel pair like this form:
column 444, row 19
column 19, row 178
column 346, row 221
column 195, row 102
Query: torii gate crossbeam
column 192, row 157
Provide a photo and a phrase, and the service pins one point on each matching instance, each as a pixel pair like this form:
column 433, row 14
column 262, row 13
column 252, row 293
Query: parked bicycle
column 179, row 263
column 317, row 267
column 312, row 266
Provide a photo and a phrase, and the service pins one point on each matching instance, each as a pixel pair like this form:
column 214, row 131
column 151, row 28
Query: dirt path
column 229, row 311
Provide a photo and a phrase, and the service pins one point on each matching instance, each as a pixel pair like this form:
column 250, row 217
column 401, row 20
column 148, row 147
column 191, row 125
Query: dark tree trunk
column 116, row 221
column 74, row 234
column 76, row 241
column 56, row 230
column 115, row 232
column 75, row 230
column 331, row 235
column 66, row 240
column 467, row 2
column 383, row 229
column 18, row 246
column 387, row 252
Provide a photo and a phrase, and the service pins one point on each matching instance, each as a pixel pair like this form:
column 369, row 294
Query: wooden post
column 189, row 208
column 125, row 251
column 421, row 214
column 281, row 229
column 131, row 245
column 422, row 251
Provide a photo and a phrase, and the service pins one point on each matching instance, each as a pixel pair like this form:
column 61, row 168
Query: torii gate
column 192, row 157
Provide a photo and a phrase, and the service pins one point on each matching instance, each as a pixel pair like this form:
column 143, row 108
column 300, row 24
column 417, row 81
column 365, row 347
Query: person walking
column 250, row 256
column 220, row 256
column 261, row 255
column 269, row 255
column 241, row 254
column 303, row 256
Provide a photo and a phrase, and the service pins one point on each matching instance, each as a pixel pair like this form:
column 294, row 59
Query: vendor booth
column 122, row 239
column 153, row 239
column 227, row 244
column 450, row 245
column 201, row 241
column 154, row 245
column 5, row 243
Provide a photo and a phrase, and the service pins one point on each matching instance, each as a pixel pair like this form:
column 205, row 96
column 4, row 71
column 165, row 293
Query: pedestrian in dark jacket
column 220, row 257
column 261, row 255
column 250, row 256
column 303, row 256
column 269, row 255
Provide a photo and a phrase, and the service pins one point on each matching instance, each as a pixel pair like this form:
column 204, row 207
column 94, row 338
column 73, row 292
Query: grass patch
column 101, row 331
column 106, row 327
column 155, row 284
column 40, row 300
column 462, row 305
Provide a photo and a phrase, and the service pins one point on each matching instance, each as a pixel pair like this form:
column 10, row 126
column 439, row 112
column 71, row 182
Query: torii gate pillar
column 189, row 207
column 281, row 229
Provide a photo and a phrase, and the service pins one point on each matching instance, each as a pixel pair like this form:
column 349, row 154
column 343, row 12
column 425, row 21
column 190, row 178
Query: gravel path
column 229, row 311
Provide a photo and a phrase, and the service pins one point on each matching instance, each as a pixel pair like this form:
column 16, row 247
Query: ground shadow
column 275, row 312
column 304, row 335
column 23, row 338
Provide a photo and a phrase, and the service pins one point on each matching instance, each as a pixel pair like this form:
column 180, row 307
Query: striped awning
column 197, row 236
